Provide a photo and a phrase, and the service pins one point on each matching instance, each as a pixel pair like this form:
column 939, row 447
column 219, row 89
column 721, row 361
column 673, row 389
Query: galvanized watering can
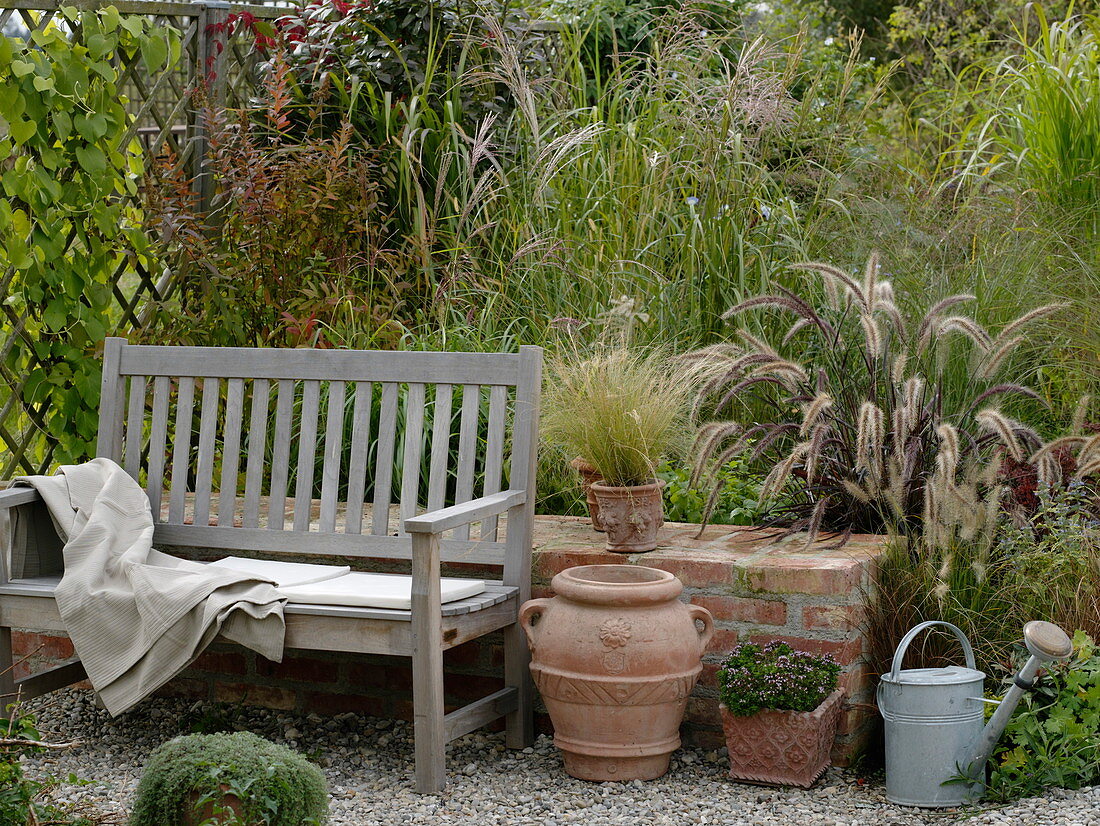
column 936, row 745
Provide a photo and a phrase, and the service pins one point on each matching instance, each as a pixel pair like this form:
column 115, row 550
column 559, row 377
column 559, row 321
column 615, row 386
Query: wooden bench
column 352, row 427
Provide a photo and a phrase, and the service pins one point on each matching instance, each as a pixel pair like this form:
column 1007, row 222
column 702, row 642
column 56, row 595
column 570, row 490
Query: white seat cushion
column 377, row 591
column 283, row 574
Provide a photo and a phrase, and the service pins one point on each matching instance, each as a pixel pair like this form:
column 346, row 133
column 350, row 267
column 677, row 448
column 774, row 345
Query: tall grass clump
column 623, row 410
column 1052, row 113
column 879, row 439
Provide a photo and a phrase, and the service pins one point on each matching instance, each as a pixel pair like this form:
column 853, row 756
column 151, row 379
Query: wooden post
column 212, row 38
column 429, row 741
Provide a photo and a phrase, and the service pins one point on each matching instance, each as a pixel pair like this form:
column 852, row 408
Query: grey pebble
column 368, row 763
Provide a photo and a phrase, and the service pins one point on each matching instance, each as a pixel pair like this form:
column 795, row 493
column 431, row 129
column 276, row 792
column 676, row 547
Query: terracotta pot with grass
column 589, row 476
column 625, row 411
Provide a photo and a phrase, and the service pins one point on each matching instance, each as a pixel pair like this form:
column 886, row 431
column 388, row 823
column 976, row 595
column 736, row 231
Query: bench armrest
column 473, row 511
column 13, row 497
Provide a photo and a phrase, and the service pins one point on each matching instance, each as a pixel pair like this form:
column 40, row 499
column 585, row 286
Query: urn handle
column 698, row 612
column 531, row 609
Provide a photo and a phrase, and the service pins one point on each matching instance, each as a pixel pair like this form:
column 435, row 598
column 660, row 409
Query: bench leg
column 520, row 724
column 7, row 671
column 430, row 742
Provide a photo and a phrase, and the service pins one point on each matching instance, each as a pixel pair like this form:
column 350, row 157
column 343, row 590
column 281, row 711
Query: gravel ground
column 369, row 767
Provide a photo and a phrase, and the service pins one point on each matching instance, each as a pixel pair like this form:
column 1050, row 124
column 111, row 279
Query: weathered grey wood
column 429, row 735
column 334, row 447
column 257, row 448
column 414, row 442
column 494, row 453
column 467, row 450
column 7, row 666
column 463, row 514
column 383, row 463
column 135, row 425
column 330, row 544
column 335, row 365
column 360, row 446
column 422, row 633
column 51, row 679
column 158, row 442
column 280, row 456
column 231, row 452
column 111, row 393
column 520, row 724
column 441, row 445
column 204, row 465
column 307, row 449
column 181, row 449
column 13, row 497
column 479, row 713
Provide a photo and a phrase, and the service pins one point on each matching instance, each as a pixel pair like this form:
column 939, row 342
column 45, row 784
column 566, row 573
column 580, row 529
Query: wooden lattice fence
column 164, row 117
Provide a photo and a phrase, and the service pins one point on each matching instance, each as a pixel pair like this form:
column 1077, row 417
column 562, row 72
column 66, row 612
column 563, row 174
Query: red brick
column 710, row 739
column 302, row 669
column 703, row 710
column 186, row 688
column 466, row 655
column 43, row 646
column 852, row 719
column 832, row 617
column 366, row 675
column 471, row 687
column 254, row 695
column 723, row 640
column 856, row 680
column 222, row 662
column 793, row 575
column 700, row 570
column 548, row 563
column 709, row 677
column 744, row 609
column 846, row 652
column 342, row 703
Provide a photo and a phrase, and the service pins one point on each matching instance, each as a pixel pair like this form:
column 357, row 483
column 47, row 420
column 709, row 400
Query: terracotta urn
column 782, row 748
column 630, row 516
column 615, row 655
column 589, row 475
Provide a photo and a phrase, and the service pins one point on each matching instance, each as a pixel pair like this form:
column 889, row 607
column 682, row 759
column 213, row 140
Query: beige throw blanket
column 138, row 617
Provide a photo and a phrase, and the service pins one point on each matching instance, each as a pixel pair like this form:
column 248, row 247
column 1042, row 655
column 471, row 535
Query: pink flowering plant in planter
column 780, row 709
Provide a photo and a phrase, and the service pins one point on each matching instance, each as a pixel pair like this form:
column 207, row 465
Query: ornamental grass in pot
column 780, row 708
column 624, row 410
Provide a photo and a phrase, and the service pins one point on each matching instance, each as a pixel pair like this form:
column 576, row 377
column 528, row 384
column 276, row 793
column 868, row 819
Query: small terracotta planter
column 631, row 517
column 615, row 656
column 782, row 748
column 589, row 476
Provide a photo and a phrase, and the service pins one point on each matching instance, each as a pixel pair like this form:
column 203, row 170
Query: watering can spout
column 1046, row 643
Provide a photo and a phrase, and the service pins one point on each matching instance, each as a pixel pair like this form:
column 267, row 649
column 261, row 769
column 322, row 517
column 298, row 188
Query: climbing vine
column 69, row 171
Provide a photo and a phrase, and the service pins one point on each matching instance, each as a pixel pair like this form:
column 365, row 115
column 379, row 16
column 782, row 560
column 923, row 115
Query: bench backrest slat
column 398, row 433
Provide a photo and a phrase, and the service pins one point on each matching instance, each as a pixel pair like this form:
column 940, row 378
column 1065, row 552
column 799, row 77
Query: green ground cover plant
column 273, row 784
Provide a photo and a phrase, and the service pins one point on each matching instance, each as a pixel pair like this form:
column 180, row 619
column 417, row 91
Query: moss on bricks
column 276, row 786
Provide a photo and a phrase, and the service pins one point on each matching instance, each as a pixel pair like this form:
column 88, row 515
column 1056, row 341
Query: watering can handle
column 899, row 655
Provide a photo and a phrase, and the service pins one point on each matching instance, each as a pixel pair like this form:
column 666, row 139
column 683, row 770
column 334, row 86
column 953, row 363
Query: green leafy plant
column 776, row 677
column 66, row 228
column 21, row 798
column 293, row 237
column 1053, row 739
column 879, row 442
column 624, row 410
column 272, row 784
column 738, row 504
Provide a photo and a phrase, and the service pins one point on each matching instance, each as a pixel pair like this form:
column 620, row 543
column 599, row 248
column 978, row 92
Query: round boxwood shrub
column 275, row 785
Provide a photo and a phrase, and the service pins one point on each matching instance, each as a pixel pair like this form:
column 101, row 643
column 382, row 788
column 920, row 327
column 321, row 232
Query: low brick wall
column 758, row 589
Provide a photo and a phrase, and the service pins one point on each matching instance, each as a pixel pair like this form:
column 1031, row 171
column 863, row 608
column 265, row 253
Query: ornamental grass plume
column 875, row 445
column 622, row 409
